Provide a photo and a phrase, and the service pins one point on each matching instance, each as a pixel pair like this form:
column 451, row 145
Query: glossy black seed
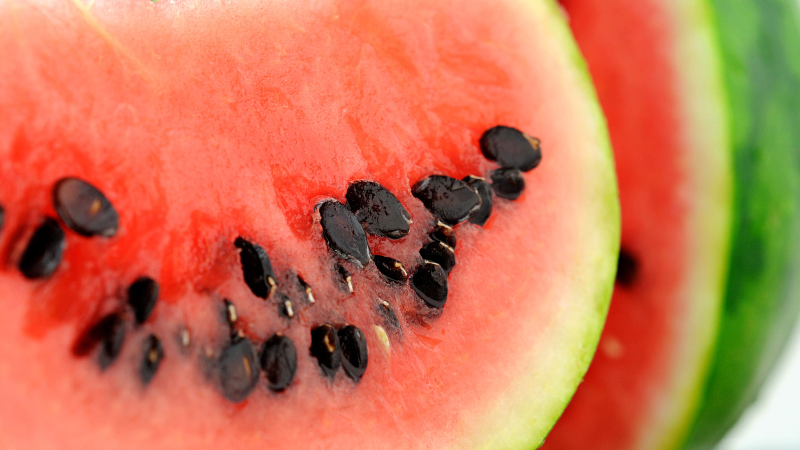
column 306, row 290
column 151, row 360
column 256, row 268
column 354, row 352
column 238, row 369
column 109, row 333
column 508, row 183
column 2, row 216
column 390, row 320
column 484, row 190
column 279, row 361
column 444, row 234
column 627, row 268
column 390, row 268
column 511, row 148
column 84, row 208
column 142, row 297
column 449, row 199
column 325, row 348
column 44, row 251
column 430, row 284
column 378, row 209
column 343, row 233
column 439, row 253
column 344, row 279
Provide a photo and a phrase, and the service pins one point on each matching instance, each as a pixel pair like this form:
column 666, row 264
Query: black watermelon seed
column 109, row 333
column 390, row 320
column 430, row 284
column 444, row 234
column 238, row 369
column 378, row 209
column 627, row 268
column 484, row 190
column 343, row 233
column 508, row 183
column 44, row 251
column 354, row 352
column 325, row 347
column 511, row 148
column 2, row 216
column 306, row 290
column 439, row 253
column 142, row 296
column 84, row 208
column 151, row 360
column 256, row 268
column 390, row 268
column 279, row 361
column 449, row 199
column 344, row 279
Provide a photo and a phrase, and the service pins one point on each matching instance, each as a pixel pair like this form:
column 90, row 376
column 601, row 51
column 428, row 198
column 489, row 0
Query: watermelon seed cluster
column 369, row 208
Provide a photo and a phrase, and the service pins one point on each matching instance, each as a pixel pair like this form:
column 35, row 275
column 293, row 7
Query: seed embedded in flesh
column 508, row 183
column 231, row 316
column 279, row 361
column 390, row 268
column 445, row 234
column 439, row 253
column 305, row 288
column 447, row 198
column 354, row 352
column 343, row 233
column 285, row 307
column 142, row 297
column 2, row 216
column 389, row 316
column 378, row 209
column 627, row 268
column 84, row 208
column 256, row 267
column 44, row 251
column 344, row 279
column 109, row 333
column 430, row 284
column 151, row 360
column 325, row 348
column 484, row 190
column 511, row 148
column 238, row 369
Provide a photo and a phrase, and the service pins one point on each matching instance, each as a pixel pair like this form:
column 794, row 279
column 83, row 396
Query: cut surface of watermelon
column 691, row 333
column 225, row 137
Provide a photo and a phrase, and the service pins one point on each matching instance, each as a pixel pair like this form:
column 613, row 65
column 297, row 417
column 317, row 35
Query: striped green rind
column 760, row 41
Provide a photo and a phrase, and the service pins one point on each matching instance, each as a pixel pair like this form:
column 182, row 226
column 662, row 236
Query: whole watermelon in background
column 186, row 189
column 701, row 99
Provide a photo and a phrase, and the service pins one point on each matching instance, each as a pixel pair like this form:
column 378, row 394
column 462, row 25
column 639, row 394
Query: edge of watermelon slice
column 528, row 427
column 759, row 41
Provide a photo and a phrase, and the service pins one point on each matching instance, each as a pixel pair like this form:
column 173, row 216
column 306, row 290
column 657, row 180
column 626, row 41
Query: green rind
column 760, row 41
column 514, row 423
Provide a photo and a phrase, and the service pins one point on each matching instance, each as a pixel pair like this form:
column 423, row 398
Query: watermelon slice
column 700, row 99
column 236, row 224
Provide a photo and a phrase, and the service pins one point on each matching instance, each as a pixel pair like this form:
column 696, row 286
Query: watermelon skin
column 759, row 41
column 727, row 330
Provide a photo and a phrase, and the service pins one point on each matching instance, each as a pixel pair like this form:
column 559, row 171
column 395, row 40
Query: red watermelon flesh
column 657, row 73
column 205, row 122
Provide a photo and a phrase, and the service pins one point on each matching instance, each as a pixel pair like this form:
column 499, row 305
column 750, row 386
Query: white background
column 773, row 422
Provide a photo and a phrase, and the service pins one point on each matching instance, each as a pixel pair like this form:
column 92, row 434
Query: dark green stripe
column 760, row 40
